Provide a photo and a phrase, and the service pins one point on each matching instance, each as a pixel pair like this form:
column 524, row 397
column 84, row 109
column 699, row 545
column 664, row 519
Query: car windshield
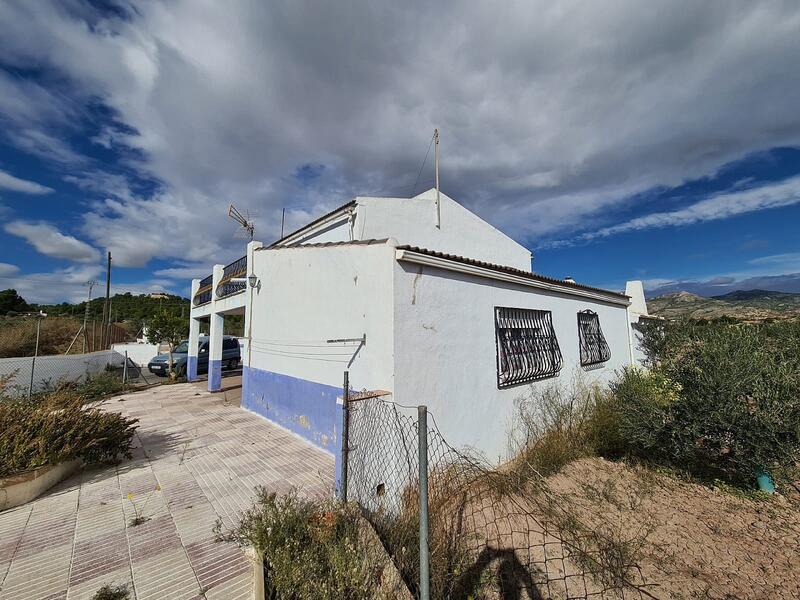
column 183, row 347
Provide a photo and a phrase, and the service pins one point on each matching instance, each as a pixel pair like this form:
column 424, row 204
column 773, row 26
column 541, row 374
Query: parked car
column 231, row 357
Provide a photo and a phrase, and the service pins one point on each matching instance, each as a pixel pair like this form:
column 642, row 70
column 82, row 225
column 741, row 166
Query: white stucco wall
column 50, row 370
column 445, row 353
column 413, row 222
column 336, row 230
column 140, row 354
column 310, row 295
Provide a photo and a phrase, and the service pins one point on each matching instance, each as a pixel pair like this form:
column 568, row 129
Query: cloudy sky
column 618, row 140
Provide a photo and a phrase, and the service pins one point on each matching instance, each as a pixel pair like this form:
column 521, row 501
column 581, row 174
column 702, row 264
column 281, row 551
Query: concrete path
column 198, row 457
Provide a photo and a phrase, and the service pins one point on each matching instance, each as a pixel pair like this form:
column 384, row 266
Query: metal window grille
column 527, row 348
column 594, row 348
column 237, row 267
column 202, row 297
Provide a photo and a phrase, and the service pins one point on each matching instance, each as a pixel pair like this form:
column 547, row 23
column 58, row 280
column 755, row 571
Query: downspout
column 630, row 333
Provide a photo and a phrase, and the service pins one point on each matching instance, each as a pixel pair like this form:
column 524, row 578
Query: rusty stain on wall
column 414, row 285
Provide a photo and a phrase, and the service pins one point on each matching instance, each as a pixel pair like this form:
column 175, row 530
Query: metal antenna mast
column 246, row 223
column 436, row 168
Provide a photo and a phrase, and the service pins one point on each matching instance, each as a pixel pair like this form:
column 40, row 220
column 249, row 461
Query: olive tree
column 168, row 329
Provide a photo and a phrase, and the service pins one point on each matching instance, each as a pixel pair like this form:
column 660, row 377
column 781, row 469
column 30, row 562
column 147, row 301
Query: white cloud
column 69, row 285
column 57, row 286
column 51, row 242
column 552, row 115
column 8, row 269
column 719, row 206
column 185, row 271
column 15, row 184
column 791, row 258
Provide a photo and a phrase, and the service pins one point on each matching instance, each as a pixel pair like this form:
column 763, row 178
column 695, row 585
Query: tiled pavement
column 198, row 456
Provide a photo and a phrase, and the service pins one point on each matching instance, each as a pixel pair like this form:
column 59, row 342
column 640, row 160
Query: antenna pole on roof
column 283, row 218
column 436, row 169
column 246, row 223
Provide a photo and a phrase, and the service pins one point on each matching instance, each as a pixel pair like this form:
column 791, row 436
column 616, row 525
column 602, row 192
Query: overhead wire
column 422, row 166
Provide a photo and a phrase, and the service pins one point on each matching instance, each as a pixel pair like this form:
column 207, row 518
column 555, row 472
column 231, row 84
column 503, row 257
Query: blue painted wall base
column 304, row 407
column 191, row 368
column 214, row 375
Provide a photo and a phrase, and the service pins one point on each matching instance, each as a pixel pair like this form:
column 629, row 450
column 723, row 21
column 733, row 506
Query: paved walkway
column 198, row 456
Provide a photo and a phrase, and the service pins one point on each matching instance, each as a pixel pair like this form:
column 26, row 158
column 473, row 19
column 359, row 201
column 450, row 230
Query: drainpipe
column 630, row 333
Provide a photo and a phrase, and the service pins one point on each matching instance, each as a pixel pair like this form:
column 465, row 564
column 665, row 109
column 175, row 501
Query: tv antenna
column 245, row 222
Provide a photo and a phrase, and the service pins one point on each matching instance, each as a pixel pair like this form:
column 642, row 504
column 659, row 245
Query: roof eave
column 316, row 222
column 500, row 273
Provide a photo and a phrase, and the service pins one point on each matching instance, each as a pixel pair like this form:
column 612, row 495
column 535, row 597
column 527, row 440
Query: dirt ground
column 696, row 542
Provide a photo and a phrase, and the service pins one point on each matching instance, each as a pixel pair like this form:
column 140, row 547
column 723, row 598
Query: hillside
column 124, row 307
column 750, row 305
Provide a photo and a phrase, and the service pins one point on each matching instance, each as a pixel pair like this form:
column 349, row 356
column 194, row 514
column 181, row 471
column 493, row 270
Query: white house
column 442, row 311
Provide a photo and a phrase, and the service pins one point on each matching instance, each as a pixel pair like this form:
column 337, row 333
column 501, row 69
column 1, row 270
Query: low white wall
column 49, row 370
column 140, row 354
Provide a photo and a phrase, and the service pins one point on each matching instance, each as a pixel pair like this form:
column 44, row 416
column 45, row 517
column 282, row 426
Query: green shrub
column 107, row 592
column 102, row 385
column 722, row 400
column 309, row 547
column 553, row 428
column 58, row 428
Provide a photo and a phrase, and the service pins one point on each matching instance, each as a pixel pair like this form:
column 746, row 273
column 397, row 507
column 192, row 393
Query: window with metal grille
column 527, row 348
column 594, row 348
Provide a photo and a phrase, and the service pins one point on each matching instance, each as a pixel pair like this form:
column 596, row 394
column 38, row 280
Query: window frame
column 537, row 357
column 589, row 354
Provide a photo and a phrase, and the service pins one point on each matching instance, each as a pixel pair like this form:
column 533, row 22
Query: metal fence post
column 35, row 352
column 125, row 369
column 345, row 435
column 424, row 561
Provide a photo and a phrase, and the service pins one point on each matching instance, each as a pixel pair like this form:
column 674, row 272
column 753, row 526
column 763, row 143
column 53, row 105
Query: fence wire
column 490, row 535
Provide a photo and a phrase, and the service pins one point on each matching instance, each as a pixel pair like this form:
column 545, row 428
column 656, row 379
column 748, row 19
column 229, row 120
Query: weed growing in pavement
column 107, row 592
column 309, row 547
column 138, row 512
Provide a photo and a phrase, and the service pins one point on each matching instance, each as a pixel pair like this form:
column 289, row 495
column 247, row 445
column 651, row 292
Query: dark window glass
column 527, row 348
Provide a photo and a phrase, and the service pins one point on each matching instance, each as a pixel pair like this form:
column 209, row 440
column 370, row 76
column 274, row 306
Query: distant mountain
column 746, row 305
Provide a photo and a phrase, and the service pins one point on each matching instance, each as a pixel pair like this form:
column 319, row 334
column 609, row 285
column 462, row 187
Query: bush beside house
column 719, row 401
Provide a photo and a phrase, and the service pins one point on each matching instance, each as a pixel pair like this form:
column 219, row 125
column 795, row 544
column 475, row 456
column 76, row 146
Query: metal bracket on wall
column 362, row 339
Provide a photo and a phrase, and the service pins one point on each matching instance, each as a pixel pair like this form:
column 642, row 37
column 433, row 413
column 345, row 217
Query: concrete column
column 215, row 336
column 194, row 336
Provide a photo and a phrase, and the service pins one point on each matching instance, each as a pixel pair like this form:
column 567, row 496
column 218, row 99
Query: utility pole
column 106, row 307
column 91, row 284
column 436, row 168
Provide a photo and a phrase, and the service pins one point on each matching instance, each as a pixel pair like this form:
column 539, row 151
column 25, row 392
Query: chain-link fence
column 38, row 354
column 489, row 533
column 36, row 374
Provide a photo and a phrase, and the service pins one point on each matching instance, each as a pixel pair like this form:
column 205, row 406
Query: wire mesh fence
column 490, row 534
column 38, row 374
